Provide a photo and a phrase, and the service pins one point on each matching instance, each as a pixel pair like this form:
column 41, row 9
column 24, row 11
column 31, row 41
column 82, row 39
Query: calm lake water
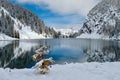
column 18, row 54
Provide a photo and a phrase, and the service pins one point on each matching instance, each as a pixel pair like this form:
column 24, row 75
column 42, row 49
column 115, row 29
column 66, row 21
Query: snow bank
column 77, row 71
column 89, row 36
column 96, row 36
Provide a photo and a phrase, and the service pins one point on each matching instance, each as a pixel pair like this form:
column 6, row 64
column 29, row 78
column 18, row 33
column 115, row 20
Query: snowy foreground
column 77, row 71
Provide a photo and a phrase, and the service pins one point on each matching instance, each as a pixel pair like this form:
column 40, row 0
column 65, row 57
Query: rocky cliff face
column 14, row 20
column 103, row 21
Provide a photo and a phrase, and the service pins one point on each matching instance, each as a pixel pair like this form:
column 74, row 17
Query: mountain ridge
column 15, row 19
column 103, row 21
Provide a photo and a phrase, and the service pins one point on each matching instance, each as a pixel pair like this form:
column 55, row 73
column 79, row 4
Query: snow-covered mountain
column 103, row 21
column 17, row 22
column 67, row 32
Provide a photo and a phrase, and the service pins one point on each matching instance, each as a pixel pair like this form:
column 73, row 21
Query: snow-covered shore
column 96, row 36
column 25, row 36
column 77, row 71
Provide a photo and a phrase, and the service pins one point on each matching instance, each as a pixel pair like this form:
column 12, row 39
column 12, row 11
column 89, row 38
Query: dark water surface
column 18, row 54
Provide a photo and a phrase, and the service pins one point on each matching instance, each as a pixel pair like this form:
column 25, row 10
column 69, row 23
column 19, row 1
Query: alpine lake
column 18, row 54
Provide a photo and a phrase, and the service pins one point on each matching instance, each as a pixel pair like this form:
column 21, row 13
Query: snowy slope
column 24, row 31
column 18, row 22
column 103, row 21
column 77, row 71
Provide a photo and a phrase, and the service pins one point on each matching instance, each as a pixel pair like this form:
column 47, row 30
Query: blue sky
column 55, row 14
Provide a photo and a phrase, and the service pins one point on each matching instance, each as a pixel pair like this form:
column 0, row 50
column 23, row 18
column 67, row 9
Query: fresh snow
column 40, row 62
column 27, row 33
column 95, row 36
column 89, row 36
column 24, row 30
column 98, row 20
column 73, row 71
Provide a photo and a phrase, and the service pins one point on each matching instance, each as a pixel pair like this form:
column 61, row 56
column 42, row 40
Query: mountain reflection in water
column 18, row 54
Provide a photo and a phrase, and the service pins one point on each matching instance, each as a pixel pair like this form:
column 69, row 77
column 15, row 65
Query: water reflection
column 110, row 53
column 18, row 54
